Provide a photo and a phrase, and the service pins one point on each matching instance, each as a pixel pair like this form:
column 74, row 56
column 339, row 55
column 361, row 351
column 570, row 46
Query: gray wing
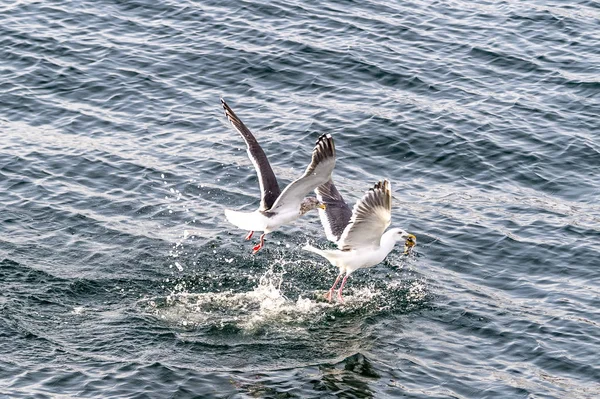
column 269, row 189
column 371, row 215
column 317, row 173
column 337, row 214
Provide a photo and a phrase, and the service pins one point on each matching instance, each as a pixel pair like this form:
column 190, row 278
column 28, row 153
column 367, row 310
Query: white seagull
column 359, row 234
column 280, row 207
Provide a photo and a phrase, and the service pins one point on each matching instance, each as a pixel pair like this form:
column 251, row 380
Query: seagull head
column 310, row 203
column 409, row 239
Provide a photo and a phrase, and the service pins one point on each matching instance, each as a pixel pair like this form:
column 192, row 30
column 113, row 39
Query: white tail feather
column 331, row 256
column 313, row 249
column 246, row 220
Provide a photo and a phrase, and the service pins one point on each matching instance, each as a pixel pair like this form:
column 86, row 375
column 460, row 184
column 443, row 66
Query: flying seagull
column 280, row 207
column 359, row 234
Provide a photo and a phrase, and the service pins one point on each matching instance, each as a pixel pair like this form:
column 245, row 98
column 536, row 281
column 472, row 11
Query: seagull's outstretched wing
column 269, row 189
column 337, row 214
column 317, row 173
column 371, row 215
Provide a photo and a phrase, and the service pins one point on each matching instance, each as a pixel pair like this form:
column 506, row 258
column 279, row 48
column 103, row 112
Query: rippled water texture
column 120, row 277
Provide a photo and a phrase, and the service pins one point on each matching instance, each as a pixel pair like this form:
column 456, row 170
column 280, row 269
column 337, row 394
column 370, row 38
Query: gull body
column 261, row 220
column 277, row 207
column 360, row 234
column 354, row 259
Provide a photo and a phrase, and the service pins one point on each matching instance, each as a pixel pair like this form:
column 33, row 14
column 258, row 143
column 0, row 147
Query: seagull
column 359, row 234
column 280, row 207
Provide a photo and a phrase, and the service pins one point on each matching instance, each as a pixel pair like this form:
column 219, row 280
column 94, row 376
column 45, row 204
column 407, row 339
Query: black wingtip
column 225, row 106
column 233, row 118
column 384, row 186
column 381, row 185
column 325, row 145
column 324, row 137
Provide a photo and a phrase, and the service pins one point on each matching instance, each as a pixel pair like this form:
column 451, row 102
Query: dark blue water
column 120, row 277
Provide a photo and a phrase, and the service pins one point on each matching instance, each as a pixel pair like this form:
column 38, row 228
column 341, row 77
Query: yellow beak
column 322, row 206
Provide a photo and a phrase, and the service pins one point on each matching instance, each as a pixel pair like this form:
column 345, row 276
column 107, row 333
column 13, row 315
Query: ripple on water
column 112, row 142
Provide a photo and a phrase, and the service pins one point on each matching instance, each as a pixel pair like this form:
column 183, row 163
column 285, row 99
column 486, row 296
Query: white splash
column 79, row 310
column 266, row 305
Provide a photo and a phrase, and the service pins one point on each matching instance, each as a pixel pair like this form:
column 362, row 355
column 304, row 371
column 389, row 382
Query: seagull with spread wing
column 280, row 207
column 359, row 234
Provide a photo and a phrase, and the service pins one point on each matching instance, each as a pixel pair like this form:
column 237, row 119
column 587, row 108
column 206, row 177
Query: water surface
column 120, row 277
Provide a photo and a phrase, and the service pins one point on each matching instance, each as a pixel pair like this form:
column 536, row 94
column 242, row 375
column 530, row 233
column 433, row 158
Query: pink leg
column 342, row 287
column 249, row 236
column 330, row 292
column 260, row 244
